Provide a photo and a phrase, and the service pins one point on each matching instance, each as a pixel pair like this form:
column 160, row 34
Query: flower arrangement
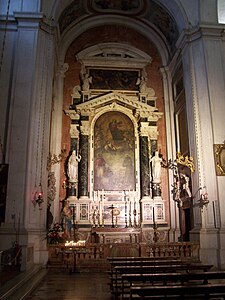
column 55, row 234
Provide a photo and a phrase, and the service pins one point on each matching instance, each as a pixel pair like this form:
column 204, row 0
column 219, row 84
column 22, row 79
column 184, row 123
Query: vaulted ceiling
column 151, row 17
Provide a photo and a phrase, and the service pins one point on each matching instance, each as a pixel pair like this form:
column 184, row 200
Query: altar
column 113, row 180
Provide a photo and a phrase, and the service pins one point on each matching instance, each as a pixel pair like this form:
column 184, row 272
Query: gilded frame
column 219, row 154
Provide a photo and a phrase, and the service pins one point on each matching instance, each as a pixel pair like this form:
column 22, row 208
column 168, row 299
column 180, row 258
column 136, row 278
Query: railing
column 179, row 249
column 96, row 251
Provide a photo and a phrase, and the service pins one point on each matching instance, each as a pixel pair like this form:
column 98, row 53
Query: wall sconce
column 64, row 185
column 38, row 198
column 203, row 200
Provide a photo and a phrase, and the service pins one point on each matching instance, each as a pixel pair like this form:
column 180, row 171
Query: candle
column 153, row 212
column 18, row 233
column 103, row 196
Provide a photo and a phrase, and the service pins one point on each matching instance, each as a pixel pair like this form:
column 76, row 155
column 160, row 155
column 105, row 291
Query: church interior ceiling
column 151, row 11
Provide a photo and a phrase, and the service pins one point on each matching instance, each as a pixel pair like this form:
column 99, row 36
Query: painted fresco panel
column 113, row 79
column 114, row 144
column 117, row 5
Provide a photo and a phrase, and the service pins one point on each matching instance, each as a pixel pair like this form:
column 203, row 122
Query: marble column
column 144, row 165
column 83, row 167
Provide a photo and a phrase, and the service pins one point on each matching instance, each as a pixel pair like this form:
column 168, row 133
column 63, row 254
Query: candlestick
column 18, row 233
column 126, row 214
column 153, row 213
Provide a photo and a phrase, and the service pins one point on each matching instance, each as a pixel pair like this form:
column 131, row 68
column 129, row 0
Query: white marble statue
column 156, row 167
column 73, row 166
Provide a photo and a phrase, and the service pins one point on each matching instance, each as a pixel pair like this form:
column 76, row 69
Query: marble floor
column 60, row 284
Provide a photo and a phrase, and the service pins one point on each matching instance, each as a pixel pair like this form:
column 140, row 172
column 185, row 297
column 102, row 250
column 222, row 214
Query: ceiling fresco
column 150, row 11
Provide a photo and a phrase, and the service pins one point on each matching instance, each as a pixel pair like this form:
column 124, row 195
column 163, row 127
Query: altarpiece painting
column 114, row 157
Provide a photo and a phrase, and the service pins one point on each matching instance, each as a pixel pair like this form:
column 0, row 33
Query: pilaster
column 28, row 135
column 203, row 66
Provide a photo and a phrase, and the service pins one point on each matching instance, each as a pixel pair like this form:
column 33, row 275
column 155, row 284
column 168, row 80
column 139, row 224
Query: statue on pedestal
column 72, row 170
column 85, row 79
column 156, row 167
column 67, row 216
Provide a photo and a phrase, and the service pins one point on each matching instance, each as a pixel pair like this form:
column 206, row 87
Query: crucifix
column 112, row 212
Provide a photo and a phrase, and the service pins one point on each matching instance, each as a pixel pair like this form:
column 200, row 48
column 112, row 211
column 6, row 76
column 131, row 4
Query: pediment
column 112, row 100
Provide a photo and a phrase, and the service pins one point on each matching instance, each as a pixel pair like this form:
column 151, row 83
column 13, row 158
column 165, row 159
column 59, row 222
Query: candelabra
column 112, row 213
column 93, row 218
column 155, row 233
column 126, row 214
column 155, row 227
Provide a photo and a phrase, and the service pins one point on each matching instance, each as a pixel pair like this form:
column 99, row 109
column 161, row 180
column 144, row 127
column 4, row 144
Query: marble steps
column 93, row 265
column 83, row 265
column 23, row 284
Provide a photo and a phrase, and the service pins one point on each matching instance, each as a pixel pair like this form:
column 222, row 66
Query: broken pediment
column 116, row 101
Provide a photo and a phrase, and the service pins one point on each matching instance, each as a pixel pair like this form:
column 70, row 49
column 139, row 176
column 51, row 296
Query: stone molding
column 140, row 108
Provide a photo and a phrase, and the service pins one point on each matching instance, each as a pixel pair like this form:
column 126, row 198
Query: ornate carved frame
column 219, row 154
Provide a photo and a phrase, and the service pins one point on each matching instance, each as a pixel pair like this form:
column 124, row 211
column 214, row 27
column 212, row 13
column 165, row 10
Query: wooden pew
column 168, row 278
column 146, row 263
column 136, row 261
column 196, row 291
column 139, row 258
column 118, row 271
column 126, row 269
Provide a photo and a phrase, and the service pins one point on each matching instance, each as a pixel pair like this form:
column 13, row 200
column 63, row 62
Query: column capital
column 28, row 19
column 149, row 131
column 62, row 69
column 85, row 128
column 74, row 131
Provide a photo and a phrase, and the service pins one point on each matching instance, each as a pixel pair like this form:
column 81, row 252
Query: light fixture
column 203, row 200
column 38, row 198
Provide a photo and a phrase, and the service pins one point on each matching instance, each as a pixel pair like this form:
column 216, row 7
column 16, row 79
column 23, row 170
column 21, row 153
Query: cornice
column 143, row 109
column 114, row 101
column 72, row 114
column 202, row 31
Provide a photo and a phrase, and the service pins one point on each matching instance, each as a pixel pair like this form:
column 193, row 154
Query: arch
column 107, row 48
column 117, row 109
column 177, row 10
column 146, row 29
column 114, row 152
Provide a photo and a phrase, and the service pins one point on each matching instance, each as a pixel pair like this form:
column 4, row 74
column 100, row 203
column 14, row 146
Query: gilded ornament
column 187, row 161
